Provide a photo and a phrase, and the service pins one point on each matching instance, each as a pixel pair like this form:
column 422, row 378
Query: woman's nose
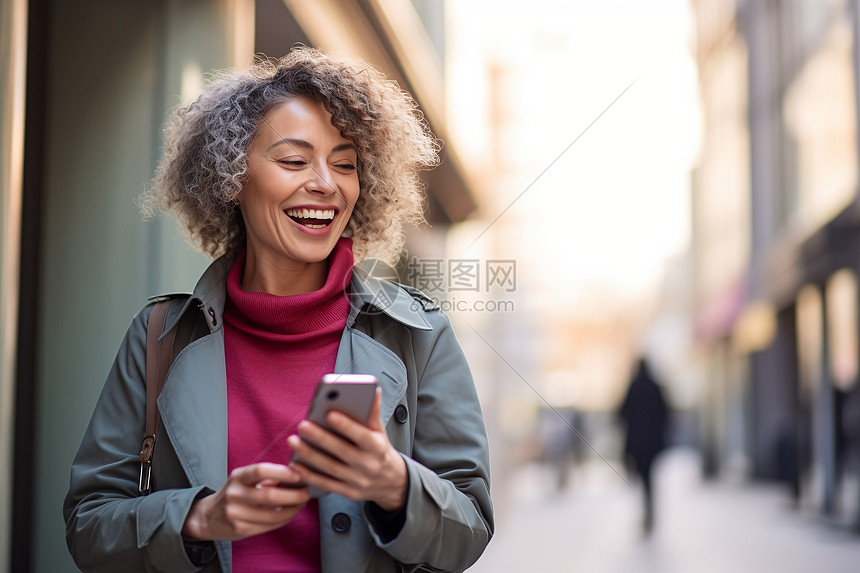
column 320, row 181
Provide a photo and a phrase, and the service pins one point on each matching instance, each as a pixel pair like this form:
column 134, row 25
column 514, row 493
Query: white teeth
column 311, row 213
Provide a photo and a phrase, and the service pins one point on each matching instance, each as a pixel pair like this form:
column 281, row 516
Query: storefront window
column 809, row 330
column 842, row 328
column 820, row 117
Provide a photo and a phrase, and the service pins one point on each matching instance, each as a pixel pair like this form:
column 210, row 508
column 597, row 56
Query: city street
column 593, row 527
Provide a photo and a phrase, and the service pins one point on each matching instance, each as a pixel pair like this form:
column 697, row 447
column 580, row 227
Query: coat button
column 341, row 522
column 401, row 414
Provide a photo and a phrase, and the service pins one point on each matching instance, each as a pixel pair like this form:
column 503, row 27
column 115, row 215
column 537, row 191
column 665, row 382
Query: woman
column 289, row 174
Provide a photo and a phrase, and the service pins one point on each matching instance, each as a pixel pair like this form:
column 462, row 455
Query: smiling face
column 301, row 188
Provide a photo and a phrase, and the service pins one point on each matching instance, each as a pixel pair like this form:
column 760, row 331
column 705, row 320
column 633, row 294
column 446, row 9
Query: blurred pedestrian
column 560, row 444
column 645, row 415
column 787, row 459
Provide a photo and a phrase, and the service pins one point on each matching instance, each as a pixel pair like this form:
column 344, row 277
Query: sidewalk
column 593, row 527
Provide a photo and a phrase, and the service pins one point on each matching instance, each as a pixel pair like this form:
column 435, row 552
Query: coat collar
column 377, row 295
column 367, row 293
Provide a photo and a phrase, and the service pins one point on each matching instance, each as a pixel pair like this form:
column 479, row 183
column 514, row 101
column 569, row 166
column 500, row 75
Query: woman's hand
column 368, row 469
column 250, row 503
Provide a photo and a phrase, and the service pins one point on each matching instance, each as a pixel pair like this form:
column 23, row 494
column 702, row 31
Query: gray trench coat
column 430, row 409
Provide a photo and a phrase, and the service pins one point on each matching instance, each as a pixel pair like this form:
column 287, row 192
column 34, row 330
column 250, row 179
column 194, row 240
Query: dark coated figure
column 645, row 415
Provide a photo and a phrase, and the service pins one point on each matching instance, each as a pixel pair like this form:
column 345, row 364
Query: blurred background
column 672, row 180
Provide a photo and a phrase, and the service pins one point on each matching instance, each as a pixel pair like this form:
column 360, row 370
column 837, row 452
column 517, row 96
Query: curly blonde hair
column 205, row 161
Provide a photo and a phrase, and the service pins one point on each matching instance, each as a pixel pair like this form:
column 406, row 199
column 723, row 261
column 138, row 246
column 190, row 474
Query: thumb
column 375, row 420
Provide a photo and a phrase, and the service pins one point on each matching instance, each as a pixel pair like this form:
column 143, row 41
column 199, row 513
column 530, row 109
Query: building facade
column 776, row 237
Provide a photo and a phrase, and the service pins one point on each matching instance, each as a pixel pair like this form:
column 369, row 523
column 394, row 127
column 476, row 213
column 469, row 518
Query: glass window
column 842, row 328
column 810, row 326
column 820, row 119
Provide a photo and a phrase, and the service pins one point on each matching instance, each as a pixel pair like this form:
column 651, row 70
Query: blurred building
column 85, row 88
column 776, row 245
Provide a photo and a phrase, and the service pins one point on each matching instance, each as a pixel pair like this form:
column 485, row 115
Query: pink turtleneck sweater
column 276, row 350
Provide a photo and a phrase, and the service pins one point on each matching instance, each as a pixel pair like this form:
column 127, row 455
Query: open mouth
column 312, row 218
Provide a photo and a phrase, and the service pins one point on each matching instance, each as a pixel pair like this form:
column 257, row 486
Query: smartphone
column 351, row 394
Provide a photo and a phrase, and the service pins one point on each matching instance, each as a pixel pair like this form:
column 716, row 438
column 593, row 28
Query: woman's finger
column 350, row 450
column 274, row 496
column 341, row 484
column 320, row 458
column 374, row 422
column 322, row 438
column 255, row 515
column 358, row 432
column 256, row 473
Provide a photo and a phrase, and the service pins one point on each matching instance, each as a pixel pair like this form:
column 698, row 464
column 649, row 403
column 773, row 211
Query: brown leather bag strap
column 159, row 355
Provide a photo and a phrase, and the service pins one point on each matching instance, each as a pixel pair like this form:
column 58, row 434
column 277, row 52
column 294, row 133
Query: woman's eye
column 346, row 166
column 293, row 162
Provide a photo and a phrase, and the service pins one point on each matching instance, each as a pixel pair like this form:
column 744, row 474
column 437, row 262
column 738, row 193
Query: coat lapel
column 197, row 383
column 360, row 354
